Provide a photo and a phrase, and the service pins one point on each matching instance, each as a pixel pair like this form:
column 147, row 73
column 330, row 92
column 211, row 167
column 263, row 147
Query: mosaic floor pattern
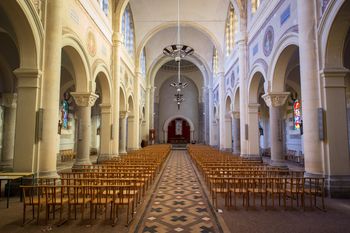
column 179, row 203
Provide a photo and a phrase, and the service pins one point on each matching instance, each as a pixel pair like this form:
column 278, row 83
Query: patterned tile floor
column 179, row 203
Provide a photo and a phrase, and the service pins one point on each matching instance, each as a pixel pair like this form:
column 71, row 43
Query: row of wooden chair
column 115, row 183
column 232, row 176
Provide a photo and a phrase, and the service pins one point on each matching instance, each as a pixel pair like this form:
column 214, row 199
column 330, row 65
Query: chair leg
column 24, row 214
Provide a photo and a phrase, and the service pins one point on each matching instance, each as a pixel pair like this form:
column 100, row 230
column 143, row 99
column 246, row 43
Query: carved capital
column 9, row 100
column 106, row 108
column 117, row 38
column 235, row 115
column 123, row 114
column 84, row 99
column 275, row 99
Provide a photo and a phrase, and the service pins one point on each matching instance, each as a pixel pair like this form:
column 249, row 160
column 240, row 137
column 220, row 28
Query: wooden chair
column 257, row 186
column 295, row 189
column 123, row 196
column 54, row 197
column 239, row 187
column 314, row 187
column 276, row 186
column 219, row 185
column 33, row 196
column 78, row 195
column 101, row 196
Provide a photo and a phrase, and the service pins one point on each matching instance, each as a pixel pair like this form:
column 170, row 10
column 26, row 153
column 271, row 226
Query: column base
column 122, row 152
column 6, row 163
column 278, row 164
column 103, row 157
column 80, row 162
column 251, row 157
column 47, row 174
column 338, row 186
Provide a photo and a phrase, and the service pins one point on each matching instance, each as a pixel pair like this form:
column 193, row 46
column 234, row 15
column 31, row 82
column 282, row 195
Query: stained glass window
column 128, row 30
column 65, row 111
column 230, row 30
column 143, row 62
column 297, row 114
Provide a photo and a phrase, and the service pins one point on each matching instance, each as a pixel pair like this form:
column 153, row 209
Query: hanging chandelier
column 178, row 51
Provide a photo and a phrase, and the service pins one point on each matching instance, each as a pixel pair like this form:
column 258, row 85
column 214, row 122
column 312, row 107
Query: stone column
column 222, row 105
column 165, row 136
column 242, row 54
column 136, row 129
column 211, row 118
column 10, row 104
column 26, row 116
column 105, row 132
column 84, row 101
column 116, row 53
column 309, row 86
column 148, row 116
column 337, row 161
column 123, row 120
column 130, row 138
column 253, row 142
column 275, row 101
column 51, row 89
column 152, row 90
column 236, row 133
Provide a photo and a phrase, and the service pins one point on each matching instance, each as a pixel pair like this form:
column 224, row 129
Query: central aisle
column 179, row 203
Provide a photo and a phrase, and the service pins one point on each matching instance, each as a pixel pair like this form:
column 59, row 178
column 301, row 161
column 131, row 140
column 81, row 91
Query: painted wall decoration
column 268, row 41
column 233, row 79
column 91, row 43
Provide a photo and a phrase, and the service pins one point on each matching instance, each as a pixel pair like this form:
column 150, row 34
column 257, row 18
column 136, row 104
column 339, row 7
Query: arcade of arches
column 86, row 81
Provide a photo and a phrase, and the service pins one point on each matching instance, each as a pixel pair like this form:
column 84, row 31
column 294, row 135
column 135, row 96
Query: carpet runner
column 179, row 203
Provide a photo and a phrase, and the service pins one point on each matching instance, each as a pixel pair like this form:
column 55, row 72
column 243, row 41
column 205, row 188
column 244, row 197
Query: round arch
column 75, row 51
column 195, row 59
column 286, row 46
column 166, row 25
column 170, row 119
column 236, row 106
column 28, row 31
column 131, row 105
column 333, row 30
column 101, row 75
column 253, row 87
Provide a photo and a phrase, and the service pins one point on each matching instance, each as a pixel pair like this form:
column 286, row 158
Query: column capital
column 9, row 100
column 123, row 114
column 235, row 114
column 27, row 77
column 117, row 38
column 253, row 108
column 84, row 99
column 334, row 72
column 275, row 99
column 106, row 108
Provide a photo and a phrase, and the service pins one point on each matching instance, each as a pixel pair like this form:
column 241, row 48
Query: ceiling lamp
column 178, row 51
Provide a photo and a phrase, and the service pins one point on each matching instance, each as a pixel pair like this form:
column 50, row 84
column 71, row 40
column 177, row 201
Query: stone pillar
column 275, row 101
column 51, row 89
column 236, row 133
column 130, row 138
column 222, row 105
column 84, row 101
column 211, row 118
column 27, row 105
column 152, row 90
column 337, row 161
column 242, row 54
column 123, row 128
column 105, row 132
column 165, row 136
column 253, row 142
column 136, row 129
column 116, row 54
column 148, row 116
column 10, row 104
column 309, row 86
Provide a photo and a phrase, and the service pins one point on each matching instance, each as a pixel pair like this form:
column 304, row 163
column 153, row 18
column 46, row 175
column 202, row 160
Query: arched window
column 128, row 30
column 255, row 5
column 104, row 6
column 215, row 61
column 230, row 30
column 143, row 62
